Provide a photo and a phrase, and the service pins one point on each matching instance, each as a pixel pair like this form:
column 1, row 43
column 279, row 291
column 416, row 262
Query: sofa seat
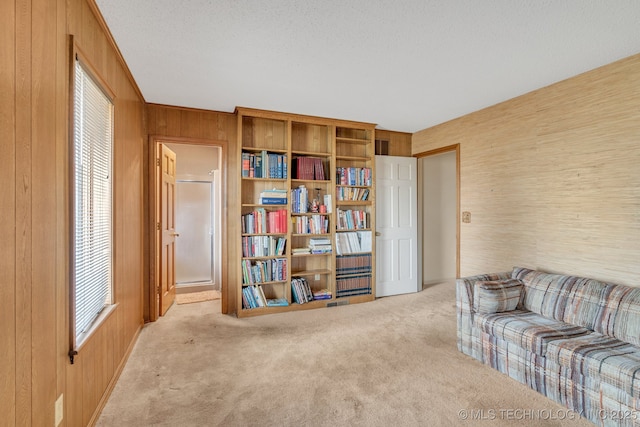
column 615, row 362
column 526, row 329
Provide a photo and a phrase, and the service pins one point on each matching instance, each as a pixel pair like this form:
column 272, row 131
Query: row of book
column 259, row 246
column 273, row 197
column 268, row 270
column 300, row 199
column 353, row 264
column 352, row 193
column 261, row 221
column 353, row 176
column 264, row 165
column 254, row 297
column 353, row 285
column 300, row 290
column 353, row 242
column 352, row 219
column 314, row 224
column 309, row 168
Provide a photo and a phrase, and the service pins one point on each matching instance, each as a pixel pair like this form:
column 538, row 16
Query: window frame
column 77, row 341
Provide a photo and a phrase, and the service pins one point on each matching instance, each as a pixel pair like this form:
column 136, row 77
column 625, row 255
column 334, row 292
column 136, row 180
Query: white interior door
column 396, row 225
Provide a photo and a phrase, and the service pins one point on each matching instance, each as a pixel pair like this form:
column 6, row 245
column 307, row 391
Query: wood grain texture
column 551, row 178
column 8, row 317
column 399, row 142
column 34, row 257
column 184, row 124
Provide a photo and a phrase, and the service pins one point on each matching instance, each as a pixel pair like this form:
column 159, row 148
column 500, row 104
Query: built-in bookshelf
column 307, row 197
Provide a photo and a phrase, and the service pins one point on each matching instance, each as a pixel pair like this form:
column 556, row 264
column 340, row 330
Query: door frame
column 151, row 298
column 449, row 148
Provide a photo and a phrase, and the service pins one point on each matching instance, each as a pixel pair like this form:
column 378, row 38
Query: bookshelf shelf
column 303, row 148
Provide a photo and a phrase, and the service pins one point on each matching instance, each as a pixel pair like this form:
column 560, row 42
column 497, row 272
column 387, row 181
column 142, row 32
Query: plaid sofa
column 573, row 339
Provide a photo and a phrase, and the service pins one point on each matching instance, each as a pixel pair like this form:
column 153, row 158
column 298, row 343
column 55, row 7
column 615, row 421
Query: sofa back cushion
column 609, row 309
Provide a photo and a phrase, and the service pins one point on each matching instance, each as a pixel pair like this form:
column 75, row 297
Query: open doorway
column 198, row 205
column 197, row 252
column 439, row 181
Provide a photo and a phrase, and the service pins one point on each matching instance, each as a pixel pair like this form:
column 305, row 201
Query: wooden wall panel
column 551, row 178
column 399, row 142
column 177, row 122
column 8, row 249
column 34, row 256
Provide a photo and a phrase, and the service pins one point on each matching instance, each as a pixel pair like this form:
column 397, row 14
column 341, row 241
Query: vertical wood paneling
column 8, row 212
column 23, row 213
column 399, row 142
column 551, row 178
column 43, row 266
column 34, row 256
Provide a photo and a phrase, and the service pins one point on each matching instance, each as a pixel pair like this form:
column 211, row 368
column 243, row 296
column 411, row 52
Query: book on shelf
column 309, row 168
column 263, row 246
column 277, row 302
column 327, row 203
column 353, row 264
column 313, row 224
column 262, row 271
column 263, row 221
column 320, row 245
column 352, row 193
column 300, row 290
column 353, row 176
column 300, row 251
column 299, row 199
column 353, row 242
column 353, row 285
column 264, row 165
column 322, row 294
column 273, row 197
column 352, row 219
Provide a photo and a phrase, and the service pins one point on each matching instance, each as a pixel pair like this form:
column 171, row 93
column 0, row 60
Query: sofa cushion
column 595, row 355
column 622, row 317
column 526, row 329
column 496, row 296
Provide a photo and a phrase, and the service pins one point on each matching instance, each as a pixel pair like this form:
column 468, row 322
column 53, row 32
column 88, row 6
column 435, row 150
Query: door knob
column 175, row 234
column 378, row 234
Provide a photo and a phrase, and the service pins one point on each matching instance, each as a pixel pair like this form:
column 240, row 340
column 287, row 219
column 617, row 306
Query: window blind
column 92, row 220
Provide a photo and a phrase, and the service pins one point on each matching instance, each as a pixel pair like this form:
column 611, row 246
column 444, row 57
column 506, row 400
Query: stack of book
column 320, row 246
column 273, row 197
column 322, row 294
column 300, row 251
column 300, row 290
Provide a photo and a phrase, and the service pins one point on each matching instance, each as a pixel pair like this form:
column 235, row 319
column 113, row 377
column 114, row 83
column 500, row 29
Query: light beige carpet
column 191, row 297
column 389, row 362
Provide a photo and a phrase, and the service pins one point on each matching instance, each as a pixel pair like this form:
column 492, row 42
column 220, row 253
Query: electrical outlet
column 466, row 217
column 59, row 410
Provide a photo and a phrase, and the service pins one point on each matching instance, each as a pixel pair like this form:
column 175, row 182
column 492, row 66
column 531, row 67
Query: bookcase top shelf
column 309, row 153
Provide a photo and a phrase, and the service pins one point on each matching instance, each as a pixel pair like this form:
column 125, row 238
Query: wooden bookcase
column 320, row 157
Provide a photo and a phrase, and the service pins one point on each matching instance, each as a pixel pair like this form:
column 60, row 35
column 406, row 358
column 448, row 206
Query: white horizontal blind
column 93, row 148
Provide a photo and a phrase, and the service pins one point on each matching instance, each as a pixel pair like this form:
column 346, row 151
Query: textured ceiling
column 405, row 65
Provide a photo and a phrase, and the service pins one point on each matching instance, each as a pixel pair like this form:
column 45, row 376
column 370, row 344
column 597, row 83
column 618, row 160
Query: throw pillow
column 496, row 296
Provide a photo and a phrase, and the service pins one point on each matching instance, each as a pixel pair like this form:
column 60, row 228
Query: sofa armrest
column 464, row 307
